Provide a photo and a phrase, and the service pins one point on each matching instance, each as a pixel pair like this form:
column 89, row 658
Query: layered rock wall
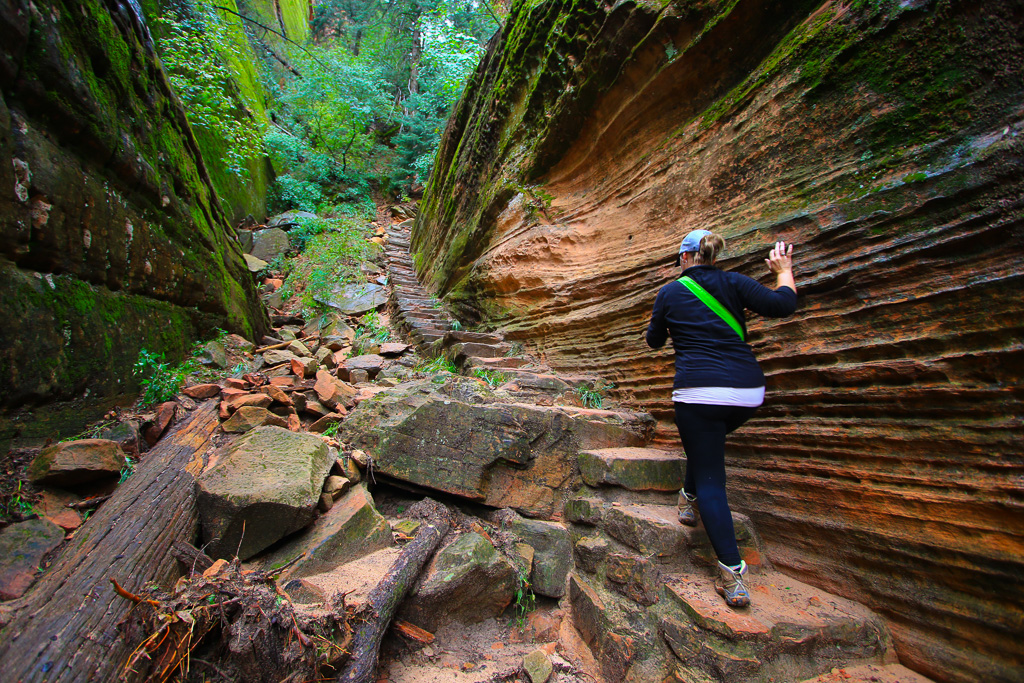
column 885, row 140
column 111, row 235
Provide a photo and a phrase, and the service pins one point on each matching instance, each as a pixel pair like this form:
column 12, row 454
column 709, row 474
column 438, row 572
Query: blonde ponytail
column 710, row 246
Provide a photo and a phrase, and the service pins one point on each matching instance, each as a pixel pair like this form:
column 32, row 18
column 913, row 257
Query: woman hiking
column 718, row 384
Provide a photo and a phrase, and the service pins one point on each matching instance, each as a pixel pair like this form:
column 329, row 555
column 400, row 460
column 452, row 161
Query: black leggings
column 702, row 429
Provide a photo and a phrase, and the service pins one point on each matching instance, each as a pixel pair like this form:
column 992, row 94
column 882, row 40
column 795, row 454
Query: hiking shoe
column 688, row 513
column 730, row 585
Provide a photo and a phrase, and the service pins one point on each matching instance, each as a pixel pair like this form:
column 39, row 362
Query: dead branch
column 387, row 595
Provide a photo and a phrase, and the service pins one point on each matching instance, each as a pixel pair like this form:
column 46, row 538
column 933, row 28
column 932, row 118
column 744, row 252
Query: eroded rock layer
column 111, row 236
column 884, row 140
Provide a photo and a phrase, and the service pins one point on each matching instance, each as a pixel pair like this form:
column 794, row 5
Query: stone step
column 507, row 362
column 424, row 337
column 816, row 630
column 654, row 531
column 456, row 336
column 636, row 469
column 478, row 350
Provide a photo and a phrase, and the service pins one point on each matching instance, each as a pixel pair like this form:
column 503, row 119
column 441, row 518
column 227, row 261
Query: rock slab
column 259, row 489
column 74, row 463
column 22, row 547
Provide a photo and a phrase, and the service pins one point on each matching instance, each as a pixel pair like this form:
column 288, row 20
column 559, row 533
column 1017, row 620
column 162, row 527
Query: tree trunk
column 66, row 628
column 387, row 595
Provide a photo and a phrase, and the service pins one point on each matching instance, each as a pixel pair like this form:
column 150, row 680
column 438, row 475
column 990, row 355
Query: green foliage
column 19, row 504
column 525, row 600
column 493, row 378
column 593, row 397
column 435, row 365
column 160, row 381
column 333, row 248
column 371, row 327
column 202, row 57
column 373, row 96
column 332, row 429
column 127, row 470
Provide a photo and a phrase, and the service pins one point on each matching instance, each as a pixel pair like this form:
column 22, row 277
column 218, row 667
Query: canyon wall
column 884, row 139
column 112, row 237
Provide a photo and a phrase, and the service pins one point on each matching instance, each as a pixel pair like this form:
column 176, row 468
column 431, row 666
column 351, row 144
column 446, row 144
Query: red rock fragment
column 200, row 391
column 235, row 383
column 164, row 417
column 277, row 394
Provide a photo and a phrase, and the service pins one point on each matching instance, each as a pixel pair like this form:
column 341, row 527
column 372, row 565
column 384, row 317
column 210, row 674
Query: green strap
column 712, row 303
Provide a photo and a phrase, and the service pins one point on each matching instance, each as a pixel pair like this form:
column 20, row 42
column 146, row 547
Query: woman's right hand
column 780, row 258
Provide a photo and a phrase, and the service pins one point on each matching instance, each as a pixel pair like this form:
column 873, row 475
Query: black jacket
column 708, row 351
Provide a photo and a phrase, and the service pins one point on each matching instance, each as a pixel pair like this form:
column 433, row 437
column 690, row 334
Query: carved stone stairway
column 640, row 589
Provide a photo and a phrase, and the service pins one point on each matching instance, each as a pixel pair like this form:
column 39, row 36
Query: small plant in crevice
column 19, row 504
column 332, row 430
column 525, row 600
column 373, row 328
column 160, row 380
column 493, row 378
column 127, row 470
column 593, row 397
column 439, row 364
column 515, row 349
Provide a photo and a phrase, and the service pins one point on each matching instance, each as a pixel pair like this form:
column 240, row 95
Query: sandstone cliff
column 111, row 235
column 884, row 139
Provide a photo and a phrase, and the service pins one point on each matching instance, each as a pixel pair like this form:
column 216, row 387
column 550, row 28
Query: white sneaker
column 688, row 512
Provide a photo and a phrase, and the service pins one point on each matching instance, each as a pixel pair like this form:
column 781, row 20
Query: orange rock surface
column 884, row 142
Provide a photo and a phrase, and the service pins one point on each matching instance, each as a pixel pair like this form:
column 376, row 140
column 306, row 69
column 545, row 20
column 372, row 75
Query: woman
column 718, row 384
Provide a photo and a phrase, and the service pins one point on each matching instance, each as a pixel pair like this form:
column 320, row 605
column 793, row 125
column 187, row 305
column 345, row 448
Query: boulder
column 353, row 528
column 325, row 422
column 165, row 413
column 201, row 391
column 538, row 666
column 552, row 549
column 269, row 244
column 214, row 354
column 299, row 349
column 74, row 463
column 52, row 505
column 257, row 400
column 247, row 418
column 277, row 394
column 236, row 344
column 254, row 264
column 22, row 547
column 467, row 581
column 393, row 349
column 503, row 455
column 331, row 390
column 126, row 435
column 289, row 217
column 353, row 299
column 278, row 356
column 370, row 363
column 304, row 367
column 259, row 489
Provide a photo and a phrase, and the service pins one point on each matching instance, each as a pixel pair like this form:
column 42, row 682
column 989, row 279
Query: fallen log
column 384, row 599
column 66, row 627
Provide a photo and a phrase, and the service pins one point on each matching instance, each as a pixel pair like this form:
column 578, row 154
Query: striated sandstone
column 885, row 141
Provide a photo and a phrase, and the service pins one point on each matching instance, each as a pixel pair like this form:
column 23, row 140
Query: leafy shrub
column 197, row 49
column 160, row 381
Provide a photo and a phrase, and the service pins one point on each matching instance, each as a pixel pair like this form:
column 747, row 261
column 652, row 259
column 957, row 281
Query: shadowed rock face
column 111, row 236
column 884, row 140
